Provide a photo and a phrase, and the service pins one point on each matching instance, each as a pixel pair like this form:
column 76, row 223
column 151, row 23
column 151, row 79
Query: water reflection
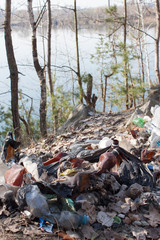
column 63, row 54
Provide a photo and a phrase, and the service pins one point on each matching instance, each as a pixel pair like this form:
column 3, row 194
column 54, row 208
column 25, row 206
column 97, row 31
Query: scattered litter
column 99, row 177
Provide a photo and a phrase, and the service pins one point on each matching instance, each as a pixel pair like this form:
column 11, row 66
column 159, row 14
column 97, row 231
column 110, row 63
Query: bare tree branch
column 42, row 12
column 129, row 24
column 65, row 67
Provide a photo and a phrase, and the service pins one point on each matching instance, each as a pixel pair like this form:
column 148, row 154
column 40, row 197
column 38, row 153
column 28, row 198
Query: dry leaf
column 88, row 232
column 153, row 233
column 119, row 207
column 153, row 217
column 14, row 228
column 111, row 235
column 64, row 235
column 104, row 219
column 139, row 233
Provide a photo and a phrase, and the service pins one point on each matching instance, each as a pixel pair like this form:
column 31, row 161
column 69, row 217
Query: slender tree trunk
column 145, row 45
column 104, row 95
column 77, row 54
column 13, row 70
column 114, row 50
column 105, row 89
column 40, row 72
column 125, row 52
column 157, row 41
column 49, row 48
column 140, row 50
column 49, row 63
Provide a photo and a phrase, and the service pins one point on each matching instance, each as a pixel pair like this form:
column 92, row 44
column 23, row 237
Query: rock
column 121, row 215
column 144, row 224
column 152, row 99
column 134, row 190
column 122, row 193
column 137, row 223
column 127, row 220
column 134, row 217
column 79, row 113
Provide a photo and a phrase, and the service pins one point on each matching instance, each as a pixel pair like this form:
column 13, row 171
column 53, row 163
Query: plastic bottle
column 156, row 116
column 158, row 143
column 68, row 220
column 107, row 161
column 37, row 203
column 155, row 141
column 139, row 122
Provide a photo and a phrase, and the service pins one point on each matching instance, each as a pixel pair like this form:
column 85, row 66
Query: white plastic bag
column 156, row 116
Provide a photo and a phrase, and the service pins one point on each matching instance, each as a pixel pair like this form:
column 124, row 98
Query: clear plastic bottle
column 68, row 220
column 37, row 203
column 139, row 122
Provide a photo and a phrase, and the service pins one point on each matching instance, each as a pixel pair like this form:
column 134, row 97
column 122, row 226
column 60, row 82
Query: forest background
column 120, row 85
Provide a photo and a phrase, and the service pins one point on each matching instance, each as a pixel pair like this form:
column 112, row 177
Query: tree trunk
column 157, row 41
column 40, row 72
column 140, row 49
column 145, row 45
column 13, row 71
column 89, row 98
column 51, row 89
column 104, row 94
column 49, row 48
column 77, row 54
column 125, row 52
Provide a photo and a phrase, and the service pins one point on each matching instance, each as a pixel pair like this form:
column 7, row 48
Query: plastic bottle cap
column 85, row 219
column 150, row 167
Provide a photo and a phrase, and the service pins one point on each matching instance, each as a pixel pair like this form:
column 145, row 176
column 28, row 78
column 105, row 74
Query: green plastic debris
column 68, row 204
column 139, row 122
column 117, row 220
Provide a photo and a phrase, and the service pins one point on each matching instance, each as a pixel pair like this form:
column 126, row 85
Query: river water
column 63, row 54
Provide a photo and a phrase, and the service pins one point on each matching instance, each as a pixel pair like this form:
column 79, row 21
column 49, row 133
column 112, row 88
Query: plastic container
column 156, row 116
column 105, row 142
column 68, row 220
column 45, row 226
column 107, row 161
column 139, row 122
column 158, row 143
column 155, row 141
column 154, row 131
column 150, row 167
column 37, row 203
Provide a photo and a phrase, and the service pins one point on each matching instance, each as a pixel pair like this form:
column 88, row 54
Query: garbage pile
column 100, row 180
